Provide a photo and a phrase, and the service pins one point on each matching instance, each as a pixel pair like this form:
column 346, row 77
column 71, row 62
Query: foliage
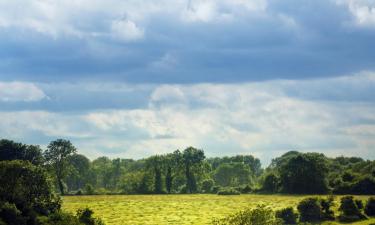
column 271, row 183
column 305, row 174
column 310, row 210
column 228, row 191
column 232, row 174
column 207, row 185
column 192, row 159
column 370, row 207
column 89, row 189
column 85, row 217
column 287, row 215
column 327, row 212
column 349, row 210
column 10, row 150
column 261, row 215
column 56, row 156
column 27, row 187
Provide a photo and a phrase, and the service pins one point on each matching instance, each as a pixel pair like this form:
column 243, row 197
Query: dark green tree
column 192, row 159
column 10, row 150
column 305, row 174
column 56, row 156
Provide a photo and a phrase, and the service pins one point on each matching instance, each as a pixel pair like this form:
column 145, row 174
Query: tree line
column 190, row 171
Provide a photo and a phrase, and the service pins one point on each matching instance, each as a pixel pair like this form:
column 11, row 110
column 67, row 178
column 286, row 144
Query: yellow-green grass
column 178, row 209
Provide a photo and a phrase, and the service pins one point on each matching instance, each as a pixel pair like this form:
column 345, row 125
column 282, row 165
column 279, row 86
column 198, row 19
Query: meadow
column 178, row 209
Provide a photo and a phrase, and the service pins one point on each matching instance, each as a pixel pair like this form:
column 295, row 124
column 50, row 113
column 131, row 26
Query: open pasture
column 176, row 209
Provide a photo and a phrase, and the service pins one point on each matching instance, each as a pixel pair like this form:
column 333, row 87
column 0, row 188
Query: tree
column 172, row 165
column 192, row 160
column 154, row 163
column 232, row 174
column 78, row 173
column 56, row 156
column 26, row 188
column 10, row 150
column 305, row 174
column 271, row 183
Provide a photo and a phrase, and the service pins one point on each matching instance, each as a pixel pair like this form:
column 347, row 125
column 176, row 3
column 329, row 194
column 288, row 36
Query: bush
column 247, row 189
column 359, row 204
column 310, row 210
column 258, row 216
column 228, row 191
column 207, row 186
column 327, row 212
column 79, row 192
column 349, row 210
column 365, row 186
column 287, row 215
column 370, row 207
column 85, row 217
column 89, row 189
column 28, row 187
column 9, row 214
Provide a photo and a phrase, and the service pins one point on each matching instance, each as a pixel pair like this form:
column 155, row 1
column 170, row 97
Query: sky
column 133, row 78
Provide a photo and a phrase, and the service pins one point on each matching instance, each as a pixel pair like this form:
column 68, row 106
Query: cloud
column 363, row 12
column 333, row 115
column 184, row 41
column 126, row 30
column 20, row 91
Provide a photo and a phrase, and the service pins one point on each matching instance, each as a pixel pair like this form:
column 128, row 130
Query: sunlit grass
column 176, row 209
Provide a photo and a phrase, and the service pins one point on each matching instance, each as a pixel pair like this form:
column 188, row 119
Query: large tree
column 155, row 165
column 304, row 174
column 192, row 159
column 56, row 156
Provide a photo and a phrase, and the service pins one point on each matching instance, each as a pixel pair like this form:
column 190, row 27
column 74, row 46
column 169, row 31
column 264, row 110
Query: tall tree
column 192, row 159
column 154, row 163
column 172, row 167
column 56, row 156
column 79, row 171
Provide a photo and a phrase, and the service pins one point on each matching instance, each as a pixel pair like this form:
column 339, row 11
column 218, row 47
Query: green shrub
column 310, row 210
column 85, row 217
column 287, row 215
column 327, row 212
column 359, row 204
column 247, row 189
column 370, row 207
column 349, row 210
column 9, row 214
column 89, row 189
column 258, row 216
column 228, row 191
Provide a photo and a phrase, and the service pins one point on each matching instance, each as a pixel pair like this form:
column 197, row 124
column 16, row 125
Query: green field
column 175, row 209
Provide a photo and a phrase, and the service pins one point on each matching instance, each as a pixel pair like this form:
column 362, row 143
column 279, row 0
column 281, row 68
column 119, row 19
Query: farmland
column 176, row 209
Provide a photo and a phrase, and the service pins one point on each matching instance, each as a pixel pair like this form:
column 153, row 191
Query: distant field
column 175, row 209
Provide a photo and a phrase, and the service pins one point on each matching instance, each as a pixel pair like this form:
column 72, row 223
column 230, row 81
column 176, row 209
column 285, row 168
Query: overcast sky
column 132, row 78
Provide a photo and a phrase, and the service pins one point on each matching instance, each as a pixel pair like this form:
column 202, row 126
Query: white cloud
column 20, row 91
column 261, row 118
column 126, row 30
column 363, row 11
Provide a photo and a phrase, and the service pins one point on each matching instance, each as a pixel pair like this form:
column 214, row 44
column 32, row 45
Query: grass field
column 176, row 209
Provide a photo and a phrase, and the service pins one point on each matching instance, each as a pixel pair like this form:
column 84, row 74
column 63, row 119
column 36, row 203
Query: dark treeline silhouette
column 189, row 171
